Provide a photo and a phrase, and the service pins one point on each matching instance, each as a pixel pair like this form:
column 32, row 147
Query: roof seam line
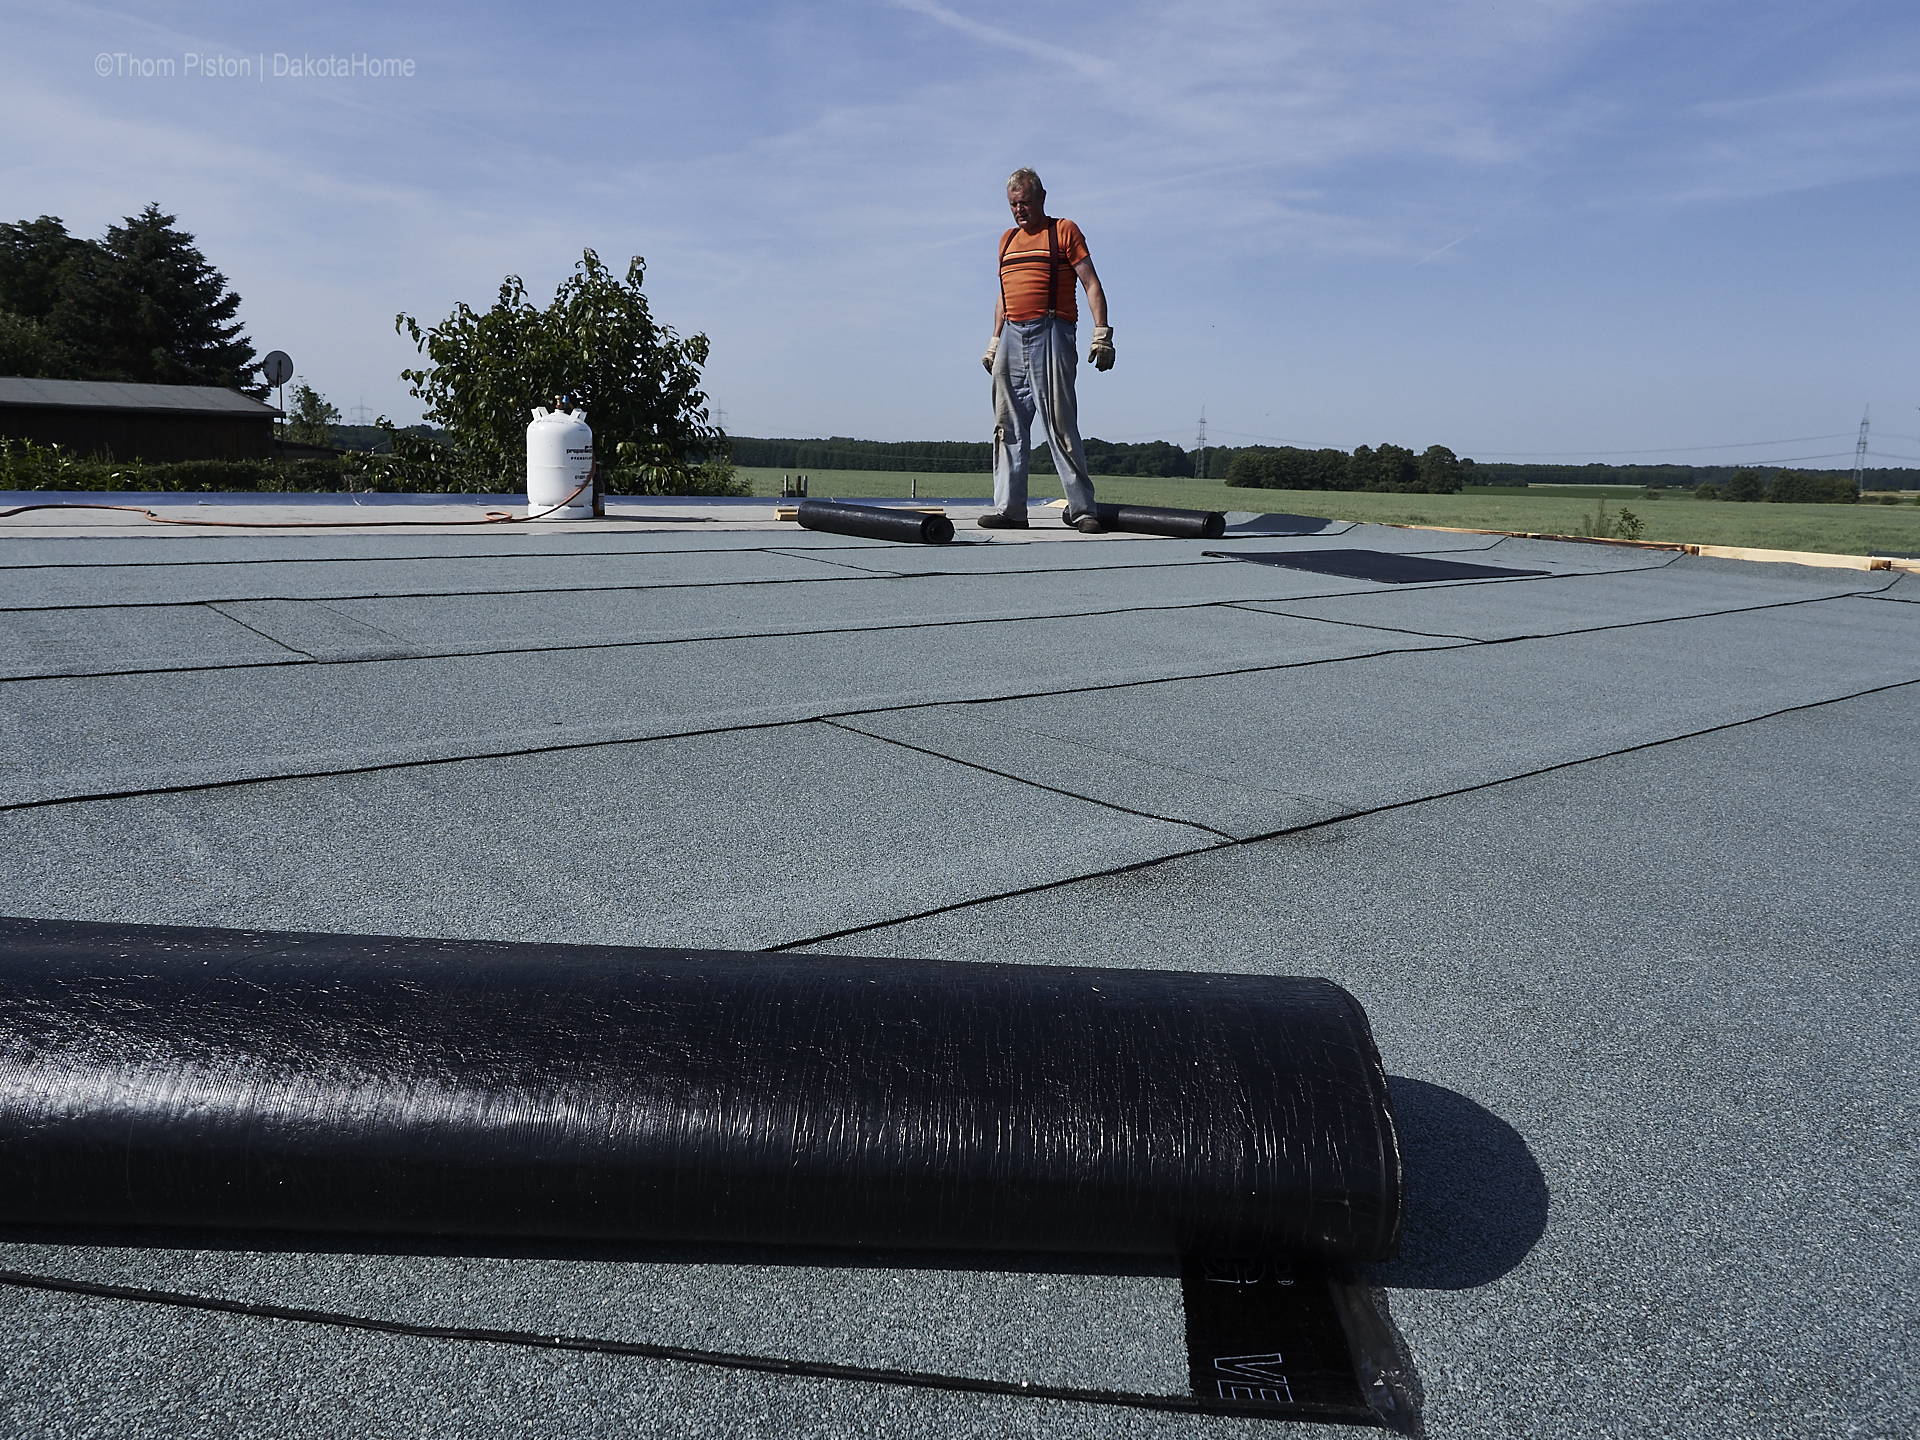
column 1589, row 630
column 829, row 717
column 698, row 640
column 214, row 606
column 1014, row 894
column 1252, row 607
column 430, row 594
column 1023, row 780
column 720, row 1359
column 1570, row 764
column 823, row 718
column 359, row 559
column 1322, row 824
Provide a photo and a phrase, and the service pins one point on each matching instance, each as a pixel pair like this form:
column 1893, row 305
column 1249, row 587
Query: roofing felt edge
column 1715, row 552
column 44, row 500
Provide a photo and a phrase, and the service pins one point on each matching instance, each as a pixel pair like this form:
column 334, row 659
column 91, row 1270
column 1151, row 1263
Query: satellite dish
column 277, row 367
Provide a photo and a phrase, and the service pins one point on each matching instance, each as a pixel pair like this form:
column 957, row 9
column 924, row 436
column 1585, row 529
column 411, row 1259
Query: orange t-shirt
column 1036, row 271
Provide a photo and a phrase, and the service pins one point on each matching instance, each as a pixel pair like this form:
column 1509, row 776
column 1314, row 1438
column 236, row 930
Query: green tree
column 1744, row 485
column 143, row 305
column 27, row 349
column 310, row 417
column 1797, row 487
column 1440, row 471
column 35, row 256
column 1392, row 468
column 1289, row 468
column 598, row 344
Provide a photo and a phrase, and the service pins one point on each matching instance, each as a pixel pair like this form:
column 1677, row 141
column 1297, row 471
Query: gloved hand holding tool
column 987, row 359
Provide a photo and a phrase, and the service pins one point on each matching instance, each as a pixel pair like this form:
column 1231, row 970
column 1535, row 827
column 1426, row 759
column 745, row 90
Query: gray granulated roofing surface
column 1620, row 861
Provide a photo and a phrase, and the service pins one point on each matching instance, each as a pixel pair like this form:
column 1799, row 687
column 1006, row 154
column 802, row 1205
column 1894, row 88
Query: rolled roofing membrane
column 173, row 1076
column 1156, row 520
column 874, row 522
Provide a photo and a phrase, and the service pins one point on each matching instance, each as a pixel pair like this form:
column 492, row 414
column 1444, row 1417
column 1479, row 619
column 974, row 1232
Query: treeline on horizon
column 1161, row 459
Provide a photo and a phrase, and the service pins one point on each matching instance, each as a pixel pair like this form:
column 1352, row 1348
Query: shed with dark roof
column 156, row 423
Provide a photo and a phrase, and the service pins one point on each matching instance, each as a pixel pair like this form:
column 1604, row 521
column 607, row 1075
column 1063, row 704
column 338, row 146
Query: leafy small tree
column 311, row 415
column 1744, row 485
column 597, row 344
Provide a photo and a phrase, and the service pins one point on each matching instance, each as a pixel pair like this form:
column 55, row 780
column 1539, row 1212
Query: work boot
column 995, row 520
column 1087, row 524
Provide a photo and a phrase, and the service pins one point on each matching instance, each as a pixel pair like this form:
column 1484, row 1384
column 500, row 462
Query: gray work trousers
column 1033, row 375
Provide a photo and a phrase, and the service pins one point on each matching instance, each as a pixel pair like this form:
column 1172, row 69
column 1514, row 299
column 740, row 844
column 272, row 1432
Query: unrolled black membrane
column 874, row 522
column 1153, row 520
column 170, row 1076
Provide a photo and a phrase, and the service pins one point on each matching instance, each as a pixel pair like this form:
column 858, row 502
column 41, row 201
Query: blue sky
column 1575, row 229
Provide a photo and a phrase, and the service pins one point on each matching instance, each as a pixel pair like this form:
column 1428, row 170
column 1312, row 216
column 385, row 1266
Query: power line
column 1671, row 449
column 1277, row 439
column 1796, row 459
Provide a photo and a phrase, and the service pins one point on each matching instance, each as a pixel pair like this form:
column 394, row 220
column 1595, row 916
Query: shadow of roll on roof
column 173, row 1076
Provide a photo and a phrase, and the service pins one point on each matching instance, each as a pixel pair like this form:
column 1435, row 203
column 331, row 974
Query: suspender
column 1054, row 266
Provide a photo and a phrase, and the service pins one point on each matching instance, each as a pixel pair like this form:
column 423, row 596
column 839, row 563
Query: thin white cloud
column 1442, row 250
column 992, row 35
column 1851, row 90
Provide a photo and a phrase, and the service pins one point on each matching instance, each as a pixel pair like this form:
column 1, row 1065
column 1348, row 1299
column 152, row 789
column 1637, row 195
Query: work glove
column 1100, row 351
column 987, row 359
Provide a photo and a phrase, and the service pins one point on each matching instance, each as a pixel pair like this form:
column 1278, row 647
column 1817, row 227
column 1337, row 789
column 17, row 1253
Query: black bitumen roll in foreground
column 1152, row 520
column 874, row 522
column 172, row 1076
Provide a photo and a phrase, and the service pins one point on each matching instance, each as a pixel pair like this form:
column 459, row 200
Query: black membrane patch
column 1374, row 565
column 1264, row 1336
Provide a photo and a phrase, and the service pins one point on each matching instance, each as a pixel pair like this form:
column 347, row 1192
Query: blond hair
column 1026, row 181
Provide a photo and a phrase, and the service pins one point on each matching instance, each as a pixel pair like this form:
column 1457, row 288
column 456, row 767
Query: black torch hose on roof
column 212, row 1078
column 874, row 522
column 1154, row 520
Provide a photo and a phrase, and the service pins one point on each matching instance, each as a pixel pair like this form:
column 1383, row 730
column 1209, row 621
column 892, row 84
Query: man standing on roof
column 1032, row 356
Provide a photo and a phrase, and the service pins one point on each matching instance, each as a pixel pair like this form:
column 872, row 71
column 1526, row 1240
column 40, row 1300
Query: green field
column 1865, row 529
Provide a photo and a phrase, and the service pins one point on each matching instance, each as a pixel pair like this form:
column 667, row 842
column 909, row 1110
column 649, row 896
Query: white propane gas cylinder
column 559, row 462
